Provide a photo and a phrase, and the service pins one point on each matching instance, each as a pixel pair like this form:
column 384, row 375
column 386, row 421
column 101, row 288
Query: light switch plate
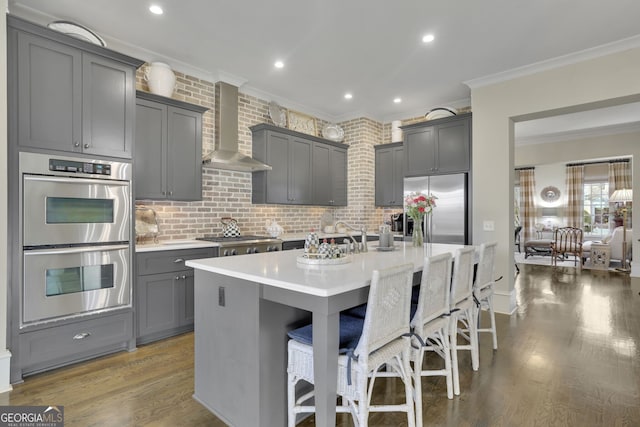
column 489, row 226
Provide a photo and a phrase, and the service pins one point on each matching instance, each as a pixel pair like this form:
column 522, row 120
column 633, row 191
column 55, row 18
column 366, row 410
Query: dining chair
column 483, row 288
column 461, row 319
column 566, row 240
column 380, row 339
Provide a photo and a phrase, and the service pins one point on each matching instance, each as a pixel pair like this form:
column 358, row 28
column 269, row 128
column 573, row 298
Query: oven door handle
column 75, row 250
column 65, row 180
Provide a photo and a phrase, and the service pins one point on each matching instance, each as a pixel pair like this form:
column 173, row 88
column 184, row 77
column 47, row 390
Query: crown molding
column 560, row 61
column 578, row 134
column 242, row 83
column 121, row 46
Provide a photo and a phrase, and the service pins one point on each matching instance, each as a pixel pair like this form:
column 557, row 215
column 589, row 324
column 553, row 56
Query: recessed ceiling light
column 279, row 64
column 428, row 38
column 348, row 96
column 155, row 9
column 397, row 100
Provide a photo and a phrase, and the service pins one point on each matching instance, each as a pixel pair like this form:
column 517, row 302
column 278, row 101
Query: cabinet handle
column 170, row 193
column 81, row 336
column 86, row 145
column 184, row 276
column 177, row 278
column 76, row 144
column 178, row 260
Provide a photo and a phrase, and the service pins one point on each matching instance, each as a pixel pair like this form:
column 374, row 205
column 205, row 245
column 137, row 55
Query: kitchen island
column 244, row 307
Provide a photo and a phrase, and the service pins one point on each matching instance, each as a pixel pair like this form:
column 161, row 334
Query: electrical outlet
column 221, row 299
column 489, row 226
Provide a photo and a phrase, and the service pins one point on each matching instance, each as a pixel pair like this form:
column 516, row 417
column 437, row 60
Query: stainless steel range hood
column 225, row 155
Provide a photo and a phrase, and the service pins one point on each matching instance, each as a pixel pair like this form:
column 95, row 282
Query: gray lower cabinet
column 306, row 170
column 389, row 174
column 168, row 152
column 164, row 292
column 60, row 345
column 438, row 146
column 69, row 95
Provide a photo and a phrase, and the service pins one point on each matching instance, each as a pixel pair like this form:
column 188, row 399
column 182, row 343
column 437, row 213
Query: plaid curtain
column 619, row 177
column 575, row 196
column 527, row 206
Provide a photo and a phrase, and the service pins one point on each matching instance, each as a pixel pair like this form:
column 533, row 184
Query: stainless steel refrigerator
column 450, row 218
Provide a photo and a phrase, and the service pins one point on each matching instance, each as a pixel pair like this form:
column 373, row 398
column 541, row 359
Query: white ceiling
column 371, row 48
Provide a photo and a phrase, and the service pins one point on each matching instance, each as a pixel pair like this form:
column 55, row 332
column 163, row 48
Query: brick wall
column 228, row 193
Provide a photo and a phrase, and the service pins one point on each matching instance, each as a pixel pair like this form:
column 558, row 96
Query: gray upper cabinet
column 306, row 170
column 49, row 88
column 151, row 150
column 71, row 95
column 299, row 165
column 438, row 146
column 108, row 102
column 168, row 152
column 329, row 175
column 389, row 174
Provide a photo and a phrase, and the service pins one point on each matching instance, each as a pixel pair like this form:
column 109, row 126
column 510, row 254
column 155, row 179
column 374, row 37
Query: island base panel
column 241, row 351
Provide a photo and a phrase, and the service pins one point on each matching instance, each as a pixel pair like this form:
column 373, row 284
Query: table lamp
column 623, row 195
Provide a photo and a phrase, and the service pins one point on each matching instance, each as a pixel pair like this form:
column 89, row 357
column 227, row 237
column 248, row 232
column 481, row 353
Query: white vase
column 160, row 78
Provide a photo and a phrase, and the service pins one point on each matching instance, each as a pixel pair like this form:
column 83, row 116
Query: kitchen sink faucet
column 361, row 247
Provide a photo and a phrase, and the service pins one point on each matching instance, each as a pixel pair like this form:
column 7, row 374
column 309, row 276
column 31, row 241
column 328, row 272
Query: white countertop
column 170, row 245
column 287, row 237
column 281, row 269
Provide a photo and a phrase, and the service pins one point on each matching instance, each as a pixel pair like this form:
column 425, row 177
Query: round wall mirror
column 550, row 194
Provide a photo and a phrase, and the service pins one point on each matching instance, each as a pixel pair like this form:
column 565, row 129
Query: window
column 596, row 209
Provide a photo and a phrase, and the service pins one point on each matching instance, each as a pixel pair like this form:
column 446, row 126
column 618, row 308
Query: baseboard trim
column 5, row 371
column 505, row 302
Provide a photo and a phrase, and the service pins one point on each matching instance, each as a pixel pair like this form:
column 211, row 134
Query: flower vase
column 418, row 236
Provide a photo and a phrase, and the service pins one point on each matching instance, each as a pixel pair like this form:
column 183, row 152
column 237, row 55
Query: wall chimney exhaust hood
column 225, row 155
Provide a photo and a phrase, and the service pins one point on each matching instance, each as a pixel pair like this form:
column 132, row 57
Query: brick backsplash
column 228, row 193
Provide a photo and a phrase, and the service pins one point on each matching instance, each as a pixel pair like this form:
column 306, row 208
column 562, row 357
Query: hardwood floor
column 569, row 356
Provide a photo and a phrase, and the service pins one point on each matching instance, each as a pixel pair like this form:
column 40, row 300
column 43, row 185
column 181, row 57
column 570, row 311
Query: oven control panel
column 58, row 165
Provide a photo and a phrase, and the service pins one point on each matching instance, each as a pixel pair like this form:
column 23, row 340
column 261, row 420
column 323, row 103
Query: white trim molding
column 572, row 135
column 5, row 368
column 505, row 303
column 560, row 61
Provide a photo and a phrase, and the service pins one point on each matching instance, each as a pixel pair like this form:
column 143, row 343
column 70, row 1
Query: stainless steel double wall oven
column 76, row 239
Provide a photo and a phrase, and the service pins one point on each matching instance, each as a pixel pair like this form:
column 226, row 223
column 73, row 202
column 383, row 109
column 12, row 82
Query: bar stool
column 461, row 319
column 483, row 288
column 384, row 340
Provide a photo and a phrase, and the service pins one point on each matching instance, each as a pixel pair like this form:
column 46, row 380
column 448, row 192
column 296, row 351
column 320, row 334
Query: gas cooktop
column 239, row 239
column 245, row 244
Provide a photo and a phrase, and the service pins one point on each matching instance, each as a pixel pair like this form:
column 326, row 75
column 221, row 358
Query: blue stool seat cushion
column 350, row 331
column 359, row 311
column 415, row 294
column 414, row 308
